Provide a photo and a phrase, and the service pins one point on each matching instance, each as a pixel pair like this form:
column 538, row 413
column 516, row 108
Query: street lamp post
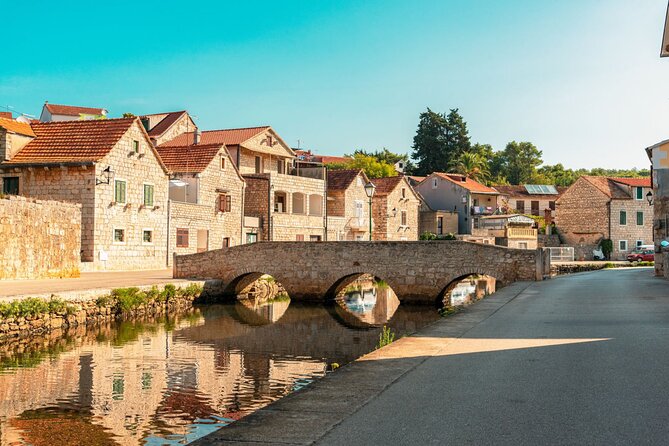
column 369, row 190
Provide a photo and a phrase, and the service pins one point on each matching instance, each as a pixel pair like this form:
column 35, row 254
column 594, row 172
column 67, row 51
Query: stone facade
column 11, row 143
column 348, row 211
column 590, row 210
column 104, row 221
column 659, row 157
column 395, row 213
column 437, row 222
column 208, row 225
column 39, row 238
column 182, row 125
column 417, row 271
column 267, row 146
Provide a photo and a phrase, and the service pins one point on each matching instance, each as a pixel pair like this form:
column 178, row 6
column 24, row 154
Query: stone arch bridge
column 418, row 272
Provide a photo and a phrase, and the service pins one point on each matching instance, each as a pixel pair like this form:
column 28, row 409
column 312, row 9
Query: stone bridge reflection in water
column 171, row 381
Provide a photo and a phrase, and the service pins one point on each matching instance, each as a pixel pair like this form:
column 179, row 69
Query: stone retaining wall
column 39, row 238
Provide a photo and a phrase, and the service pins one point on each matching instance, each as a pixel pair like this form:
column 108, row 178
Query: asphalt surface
column 580, row 359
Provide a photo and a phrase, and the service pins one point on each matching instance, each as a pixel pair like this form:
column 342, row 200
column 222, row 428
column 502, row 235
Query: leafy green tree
column 389, row 157
column 520, row 161
column 439, row 139
column 373, row 167
column 473, row 165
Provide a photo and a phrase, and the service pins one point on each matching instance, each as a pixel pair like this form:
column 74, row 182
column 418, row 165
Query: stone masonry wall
column 582, row 217
column 184, row 124
column 387, row 214
column 631, row 232
column 255, row 200
column 133, row 217
column 428, row 221
column 39, row 238
column 11, row 143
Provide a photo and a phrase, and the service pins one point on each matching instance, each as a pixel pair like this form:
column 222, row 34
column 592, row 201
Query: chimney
column 6, row 115
column 196, row 136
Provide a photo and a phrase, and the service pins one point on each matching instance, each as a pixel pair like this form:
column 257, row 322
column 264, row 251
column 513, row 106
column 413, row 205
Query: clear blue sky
column 582, row 79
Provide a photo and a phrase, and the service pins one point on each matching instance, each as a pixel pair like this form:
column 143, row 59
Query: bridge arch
column 241, row 279
column 348, row 279
column 447, row 285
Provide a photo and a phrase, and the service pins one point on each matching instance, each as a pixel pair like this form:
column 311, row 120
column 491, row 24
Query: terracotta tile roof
column 415, row 178
column 16, row 127
column 188, row 159
column 165, row 123
column 607, row 186
column 467, row 183
column 230, row 137
column 384, row 186
column 635, row 182
column 325, row 159
column 71, row 110
column 72, row 141
column 521, row 192
column 342, row 179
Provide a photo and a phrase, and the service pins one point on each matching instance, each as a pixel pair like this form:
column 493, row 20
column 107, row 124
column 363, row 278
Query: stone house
column 659, row 157
column 56, row 113
column 347, row 205
column 111, row 168
column 596, row 208
column 206, row 192
column 164, row 127
column 280, row 202
column 461, row 194
column 438, row 222
column 395, row 209
column 529, row 199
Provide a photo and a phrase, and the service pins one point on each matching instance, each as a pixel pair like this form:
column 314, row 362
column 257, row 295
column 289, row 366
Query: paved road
column 582, row 359
column 87, row 281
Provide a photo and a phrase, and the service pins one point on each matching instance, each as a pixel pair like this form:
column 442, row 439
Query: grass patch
column 34, row 306
column 386, row 337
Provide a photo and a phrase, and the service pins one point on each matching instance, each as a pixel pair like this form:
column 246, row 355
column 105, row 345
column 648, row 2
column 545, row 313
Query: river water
column 168, row 382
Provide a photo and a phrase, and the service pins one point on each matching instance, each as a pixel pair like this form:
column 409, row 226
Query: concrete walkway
column 87, row 281
column 579, row 359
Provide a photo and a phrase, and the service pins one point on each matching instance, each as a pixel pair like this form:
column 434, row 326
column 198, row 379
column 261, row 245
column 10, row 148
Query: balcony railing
column 317, row 173
column 512, row 232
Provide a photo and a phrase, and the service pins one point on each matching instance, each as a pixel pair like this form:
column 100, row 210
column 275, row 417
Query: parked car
column 641, row 255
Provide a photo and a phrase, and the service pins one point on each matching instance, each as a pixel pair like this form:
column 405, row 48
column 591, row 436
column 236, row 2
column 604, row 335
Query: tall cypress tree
column 439, row 140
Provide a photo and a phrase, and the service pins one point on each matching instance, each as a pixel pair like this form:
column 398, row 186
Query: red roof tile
column 188, row 159
column 231, row 137
column 467, row 183
column 607, row 186
column 72, row 141
column 71, row 110
column 165, row 123
column 635, row 182
column 384, row 186
column 6, row 115
column 332, row 159
column 16, row 127
column 342, row 179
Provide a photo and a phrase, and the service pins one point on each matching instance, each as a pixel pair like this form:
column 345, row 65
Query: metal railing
column 317, row 173
column 565, row 254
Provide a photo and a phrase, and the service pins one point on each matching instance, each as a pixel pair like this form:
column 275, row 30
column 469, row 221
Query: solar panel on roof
column 540, row 189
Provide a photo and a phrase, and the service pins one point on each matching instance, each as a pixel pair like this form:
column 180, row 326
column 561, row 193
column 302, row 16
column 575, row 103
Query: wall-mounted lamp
column 649, row 197
column 105, row 177
column 393, row 212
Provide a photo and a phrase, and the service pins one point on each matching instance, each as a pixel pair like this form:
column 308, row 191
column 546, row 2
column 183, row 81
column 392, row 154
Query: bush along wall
column 33, row 316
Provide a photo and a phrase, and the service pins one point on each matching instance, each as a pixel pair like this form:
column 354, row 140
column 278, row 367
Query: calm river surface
column 169, row 382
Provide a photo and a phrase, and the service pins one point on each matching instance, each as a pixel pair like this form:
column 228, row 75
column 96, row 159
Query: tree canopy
column 439, row 140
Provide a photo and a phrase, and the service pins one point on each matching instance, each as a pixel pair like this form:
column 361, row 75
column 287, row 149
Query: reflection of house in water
column 470, row 289
column 368, row 302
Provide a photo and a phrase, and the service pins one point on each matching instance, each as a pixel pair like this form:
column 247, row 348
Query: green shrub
column 607, row 247
column 386, row 337
column 103, row 301
column 169, row 292
column 127, row 299
column 428, row 236
column 192, row 290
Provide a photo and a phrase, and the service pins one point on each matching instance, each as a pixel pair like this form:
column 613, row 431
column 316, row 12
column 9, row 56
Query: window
column 280, row 201
column 359, row 209
column 281, row 166
column 623, row 217
column 440, row 225
column 404, row 192
column 251, row 237
column 148, row 195
column 298, row 203
column 119, row 235
column 258, row 164
column 10, row 185
column 404, row 218
column 316, row 205
column 224, row 203
column 639, row 218
column 522, row 245
column 639, row 243
column 622, row 245
column 551, row 205
column 639, row 193
column 182, row 238
column 270, row 143
column 222, row 162
column 147, row 236
column 435, row 183
column 314, row 238
column 535, row 207
column 135, row 146
column 119, row 191
column 299, row 238
column 226, row 242
column 520, row 206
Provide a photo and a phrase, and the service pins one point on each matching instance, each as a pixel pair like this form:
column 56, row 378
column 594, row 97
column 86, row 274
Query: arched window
column 299, row 205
